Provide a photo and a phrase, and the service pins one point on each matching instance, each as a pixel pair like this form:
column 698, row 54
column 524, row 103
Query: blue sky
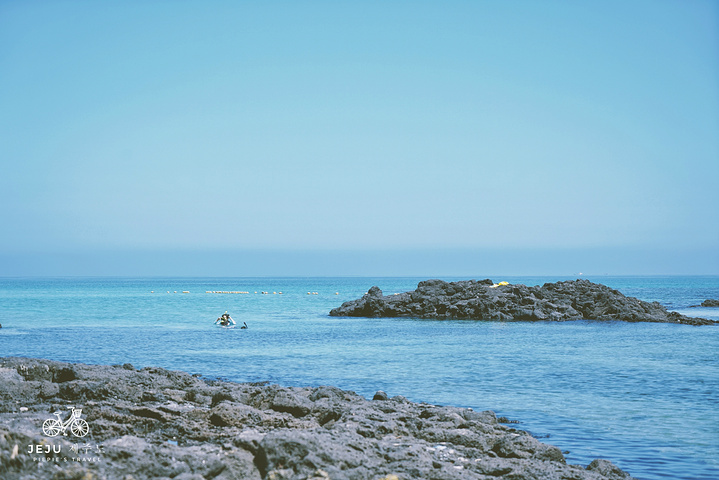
column 359, row 138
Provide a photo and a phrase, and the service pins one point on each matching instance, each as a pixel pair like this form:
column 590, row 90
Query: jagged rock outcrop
column 710, row 302
column 154, row 423
column 485, row 300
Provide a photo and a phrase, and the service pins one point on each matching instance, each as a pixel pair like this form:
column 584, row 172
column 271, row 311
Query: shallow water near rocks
column 642, row 395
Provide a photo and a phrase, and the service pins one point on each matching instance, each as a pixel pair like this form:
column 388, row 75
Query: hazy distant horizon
column 470, row 263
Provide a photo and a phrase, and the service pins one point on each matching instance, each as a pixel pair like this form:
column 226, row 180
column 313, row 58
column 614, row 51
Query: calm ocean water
column 645, row 396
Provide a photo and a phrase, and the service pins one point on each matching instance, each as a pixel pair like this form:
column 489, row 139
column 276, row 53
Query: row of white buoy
column 226, row 292
column 239, row 292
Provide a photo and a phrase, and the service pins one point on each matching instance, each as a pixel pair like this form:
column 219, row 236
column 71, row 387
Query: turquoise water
column 644, row 395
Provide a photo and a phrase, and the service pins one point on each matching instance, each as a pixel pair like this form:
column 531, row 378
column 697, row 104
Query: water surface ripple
column 643, row 395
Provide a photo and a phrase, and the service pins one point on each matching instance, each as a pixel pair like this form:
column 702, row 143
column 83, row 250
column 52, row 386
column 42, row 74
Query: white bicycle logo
column 53, row 426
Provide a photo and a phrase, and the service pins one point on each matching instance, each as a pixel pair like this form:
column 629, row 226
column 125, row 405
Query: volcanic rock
column 141, row 428
column 485, row 300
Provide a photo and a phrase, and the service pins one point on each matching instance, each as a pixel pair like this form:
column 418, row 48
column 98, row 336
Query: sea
column 643, row 395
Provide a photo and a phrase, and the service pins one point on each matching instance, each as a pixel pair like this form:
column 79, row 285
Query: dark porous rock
column 708, row 303
column 380, row 395
column 484, row 300
column 234, row 414
column 142, row 426
column 292, row 403
column 64, row 374
column 608, row 469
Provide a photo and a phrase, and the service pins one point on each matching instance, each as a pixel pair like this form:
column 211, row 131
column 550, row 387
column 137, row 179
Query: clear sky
column 359, row 138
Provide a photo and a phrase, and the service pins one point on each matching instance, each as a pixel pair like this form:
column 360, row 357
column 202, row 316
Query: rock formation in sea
column 710, row 302
column 154, row 423
column 485, row 300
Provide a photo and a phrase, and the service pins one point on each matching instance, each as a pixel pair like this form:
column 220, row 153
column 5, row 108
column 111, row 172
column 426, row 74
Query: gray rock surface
column 484, row 300
column 710, row 302
column 155, row 423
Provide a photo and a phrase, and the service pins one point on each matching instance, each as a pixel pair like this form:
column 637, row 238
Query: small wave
column 9, row 331
column 712, row 313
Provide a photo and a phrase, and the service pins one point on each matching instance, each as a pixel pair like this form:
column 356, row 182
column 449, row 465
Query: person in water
column 225, row 320
column 244, row 325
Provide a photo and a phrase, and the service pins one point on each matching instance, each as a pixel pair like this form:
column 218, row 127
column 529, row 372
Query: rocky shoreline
column 486, row 300
column 160, row 424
